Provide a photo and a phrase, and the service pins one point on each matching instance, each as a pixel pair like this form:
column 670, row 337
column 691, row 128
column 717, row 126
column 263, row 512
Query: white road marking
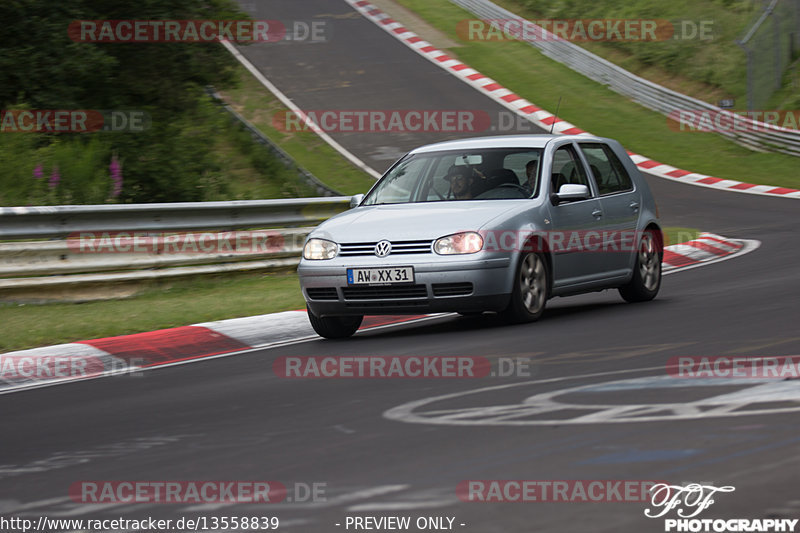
column 60, row 460
column 401, row 506
column 298, row 112
column 14, row 506
column 741, row 403
column 430, row 498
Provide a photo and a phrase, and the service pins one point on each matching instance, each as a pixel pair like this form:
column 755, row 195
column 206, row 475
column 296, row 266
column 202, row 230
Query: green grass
column 679, row 235
column 249, row 170
column 708, row 69
column 173, row 304
column 176, row 304
column 594, row 108
column 253, row 101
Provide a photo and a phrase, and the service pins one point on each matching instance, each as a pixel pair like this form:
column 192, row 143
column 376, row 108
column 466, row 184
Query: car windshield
column 498, row 173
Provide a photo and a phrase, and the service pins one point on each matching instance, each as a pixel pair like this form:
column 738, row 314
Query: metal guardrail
column 653, row 96
column 95, row 247
column 63, row 220
column 105, row 252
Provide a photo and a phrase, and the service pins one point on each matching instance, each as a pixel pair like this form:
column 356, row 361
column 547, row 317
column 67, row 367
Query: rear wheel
column 646, row 280
column 334, row 327
column 531, row 289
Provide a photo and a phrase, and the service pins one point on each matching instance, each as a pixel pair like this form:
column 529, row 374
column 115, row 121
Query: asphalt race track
column 393, row 447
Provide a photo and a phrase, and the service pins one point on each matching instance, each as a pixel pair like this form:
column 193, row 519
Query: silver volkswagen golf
column 497, row 224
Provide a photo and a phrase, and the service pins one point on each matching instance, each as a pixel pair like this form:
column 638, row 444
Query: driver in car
column 461, row 180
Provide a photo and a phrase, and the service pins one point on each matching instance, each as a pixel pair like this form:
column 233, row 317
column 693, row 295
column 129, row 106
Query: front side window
column 497, row 173
column 567, row 169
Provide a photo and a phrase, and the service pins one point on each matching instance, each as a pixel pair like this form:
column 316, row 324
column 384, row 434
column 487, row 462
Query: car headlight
column 316, row 249
column 468, row 242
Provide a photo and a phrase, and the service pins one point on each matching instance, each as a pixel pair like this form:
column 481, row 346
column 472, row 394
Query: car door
column 619, row 202
column 571, row 222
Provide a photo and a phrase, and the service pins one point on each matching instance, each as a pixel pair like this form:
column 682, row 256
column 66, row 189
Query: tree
column 41, row 67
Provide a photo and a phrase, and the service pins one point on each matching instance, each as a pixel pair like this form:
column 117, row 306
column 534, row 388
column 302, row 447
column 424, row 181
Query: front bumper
column 463, row 284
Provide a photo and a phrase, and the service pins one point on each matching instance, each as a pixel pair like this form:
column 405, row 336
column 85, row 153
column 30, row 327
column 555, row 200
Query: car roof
column 500, row 141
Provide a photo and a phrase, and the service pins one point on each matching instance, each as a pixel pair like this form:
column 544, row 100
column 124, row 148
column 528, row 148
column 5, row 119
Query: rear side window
column 609, row 173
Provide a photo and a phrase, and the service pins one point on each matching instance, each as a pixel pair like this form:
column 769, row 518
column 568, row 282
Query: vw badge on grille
column 383, row 248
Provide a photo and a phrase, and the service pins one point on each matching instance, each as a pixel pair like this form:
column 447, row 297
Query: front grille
column 398, row 248
column 452, row 289
column 384, row 292
column 366, row 304
column 322, row 293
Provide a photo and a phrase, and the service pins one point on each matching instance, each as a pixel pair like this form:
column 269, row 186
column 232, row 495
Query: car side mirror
column 570, row 192
column 355, row 200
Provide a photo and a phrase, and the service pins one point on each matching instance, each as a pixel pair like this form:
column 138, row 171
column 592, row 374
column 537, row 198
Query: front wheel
column 334, row 327
column 531, row 289
column 646, row 279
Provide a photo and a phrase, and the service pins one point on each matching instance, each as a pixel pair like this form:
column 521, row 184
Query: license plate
column 380, row 276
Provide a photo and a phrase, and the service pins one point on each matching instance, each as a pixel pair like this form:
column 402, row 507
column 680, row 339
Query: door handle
column 597, row 213
column 634, row 205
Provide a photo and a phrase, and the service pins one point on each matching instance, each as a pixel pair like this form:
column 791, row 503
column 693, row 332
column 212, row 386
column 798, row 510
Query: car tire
column 646, row 279
column 530, row 291
column 334, row 327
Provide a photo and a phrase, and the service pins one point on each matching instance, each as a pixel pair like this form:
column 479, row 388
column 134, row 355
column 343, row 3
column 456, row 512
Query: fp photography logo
column 690, row 500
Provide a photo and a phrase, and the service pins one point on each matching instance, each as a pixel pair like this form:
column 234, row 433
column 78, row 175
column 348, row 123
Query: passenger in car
column 531, row 167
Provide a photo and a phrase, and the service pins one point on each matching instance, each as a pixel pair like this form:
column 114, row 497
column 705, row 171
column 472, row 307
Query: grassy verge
column 679, row 235
column 253, row 101
column 175, row 304
column 593, row 107
column 213, row 158
column 248, row 170
column 710, row 68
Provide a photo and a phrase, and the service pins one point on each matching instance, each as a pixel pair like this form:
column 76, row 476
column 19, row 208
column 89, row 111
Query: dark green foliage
column 42, row 68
